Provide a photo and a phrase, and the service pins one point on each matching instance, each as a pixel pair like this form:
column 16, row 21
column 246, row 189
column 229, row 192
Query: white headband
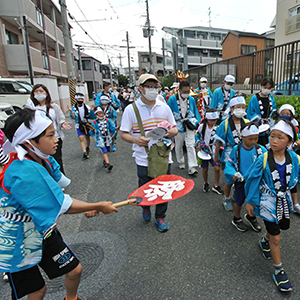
column 237, row 100
column 22, row 134
column 79, row 97
column 284, row 127
column 98, row 109
column 249, row 131
column 288, row 107
column 212, row 115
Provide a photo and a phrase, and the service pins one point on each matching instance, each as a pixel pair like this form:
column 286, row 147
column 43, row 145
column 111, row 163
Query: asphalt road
column 202, row 256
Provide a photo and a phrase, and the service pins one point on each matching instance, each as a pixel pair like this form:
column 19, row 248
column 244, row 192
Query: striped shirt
column 150, row 118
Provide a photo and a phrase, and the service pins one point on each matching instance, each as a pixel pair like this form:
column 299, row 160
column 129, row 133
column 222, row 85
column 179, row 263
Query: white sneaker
column 181, row 166
column 193, row 171
column 296, row 208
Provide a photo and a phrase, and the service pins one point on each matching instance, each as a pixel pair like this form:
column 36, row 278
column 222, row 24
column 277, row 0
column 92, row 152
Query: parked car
column 283, row 87
column 14, row 92
column 5, row 111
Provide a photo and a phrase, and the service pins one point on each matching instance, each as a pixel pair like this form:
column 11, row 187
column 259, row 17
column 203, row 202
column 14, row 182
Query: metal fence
column 281, row 63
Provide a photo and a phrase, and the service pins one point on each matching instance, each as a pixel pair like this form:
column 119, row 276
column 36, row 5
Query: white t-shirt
column 53, row 118
column 150, row 118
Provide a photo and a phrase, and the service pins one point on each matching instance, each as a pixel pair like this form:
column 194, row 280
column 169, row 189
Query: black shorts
column 58, row 259
column 274, row 229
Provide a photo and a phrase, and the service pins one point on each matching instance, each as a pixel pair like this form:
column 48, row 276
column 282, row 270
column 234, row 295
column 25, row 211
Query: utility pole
column 80, row 63
column 149, row 39
column 120, row 58
column 128, row 55
column 110, row 72
column 30, row 71
column 164, row 57
column 68, row 51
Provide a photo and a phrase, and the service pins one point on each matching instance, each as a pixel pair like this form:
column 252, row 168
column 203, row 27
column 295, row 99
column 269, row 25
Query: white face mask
column 203, row 85
column 151, row 94
column 40, row 97
column 266, row 92
column 239, row 112
column 38, row 152
column 110, row 89
column 227, row 87
column 184, row 96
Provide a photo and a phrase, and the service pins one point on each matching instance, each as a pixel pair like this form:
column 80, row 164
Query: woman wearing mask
column 261, row 107
column 40, row 99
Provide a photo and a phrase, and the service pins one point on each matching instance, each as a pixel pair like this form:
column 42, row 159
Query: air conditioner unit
column 205, row 51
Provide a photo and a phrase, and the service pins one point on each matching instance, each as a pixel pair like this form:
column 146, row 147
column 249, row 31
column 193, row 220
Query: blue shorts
column 205, row 163
column 79, row 133
column 105, row 150
column 239, row 195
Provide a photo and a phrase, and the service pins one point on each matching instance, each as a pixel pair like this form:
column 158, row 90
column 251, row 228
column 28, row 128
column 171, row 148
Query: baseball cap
column 229, row 78
column 145, row 77
column 203, row 79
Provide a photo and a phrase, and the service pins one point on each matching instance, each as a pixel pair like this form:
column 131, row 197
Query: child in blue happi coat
column 31, row 202
column 228, row 135
column 237, row 166
column 103, row 131
column 205, row 142
column 270, row 189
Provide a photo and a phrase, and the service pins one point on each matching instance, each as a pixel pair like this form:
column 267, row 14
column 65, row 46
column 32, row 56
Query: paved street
column 202, row 256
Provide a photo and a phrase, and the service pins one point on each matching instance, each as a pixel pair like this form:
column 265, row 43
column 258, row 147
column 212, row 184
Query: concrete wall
column 282, row 15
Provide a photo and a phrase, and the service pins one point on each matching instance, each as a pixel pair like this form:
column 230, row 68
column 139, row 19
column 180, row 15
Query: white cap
column 105, row 99
column 175, row 85
column 289, row 107
column 203, row 79
column 229, row 78
column 237, row 100
column 145, row 77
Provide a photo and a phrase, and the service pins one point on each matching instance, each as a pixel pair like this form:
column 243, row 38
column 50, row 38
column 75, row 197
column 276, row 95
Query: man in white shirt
column 152, row 112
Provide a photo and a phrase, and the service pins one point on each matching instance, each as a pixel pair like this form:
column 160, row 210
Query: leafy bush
column 280, row 100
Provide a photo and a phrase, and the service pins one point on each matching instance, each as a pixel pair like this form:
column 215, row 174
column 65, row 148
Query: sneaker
column 77, row 298
column 253, row 223
column 193, row 171
column 239, row 225
column 181, row 166
column 282, row 281
column 206, row 187
column 87, row 149
column 227, row 203
column 161, row 224
column 5, row 277
column 146, row 214
column 217, row 189
column 109, row 167
column 296, row 208
column 113, row 148
column 104, row 164
column 265, row 247
column 85, row 155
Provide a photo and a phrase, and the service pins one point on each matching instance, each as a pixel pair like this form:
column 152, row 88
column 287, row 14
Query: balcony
column 16, row 61
column 198, row 60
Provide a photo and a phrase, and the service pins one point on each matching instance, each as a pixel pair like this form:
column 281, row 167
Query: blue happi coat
column 260, row 191
column 193, row 115
column 29, row 190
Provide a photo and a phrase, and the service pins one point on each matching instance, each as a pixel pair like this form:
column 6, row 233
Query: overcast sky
column 108, row 21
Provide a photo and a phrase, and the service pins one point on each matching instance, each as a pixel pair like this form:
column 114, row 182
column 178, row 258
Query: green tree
column 168, row 81
column 123, row 80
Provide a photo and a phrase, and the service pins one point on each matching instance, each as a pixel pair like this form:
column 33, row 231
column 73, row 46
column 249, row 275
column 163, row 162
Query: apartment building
column 190, row 47
column 157, row 63
column 31, row 29
column 287, row 21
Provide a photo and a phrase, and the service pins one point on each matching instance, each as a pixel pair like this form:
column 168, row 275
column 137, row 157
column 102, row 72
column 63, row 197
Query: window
column 86, row 65
column 190, row 34
column 159, row 60
column 45, row 61
column 146, row 59
column 245, row 49
column 39, row 17
column 95, row 66
column 11, row 38
column 294, row 11
column 9, row 87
